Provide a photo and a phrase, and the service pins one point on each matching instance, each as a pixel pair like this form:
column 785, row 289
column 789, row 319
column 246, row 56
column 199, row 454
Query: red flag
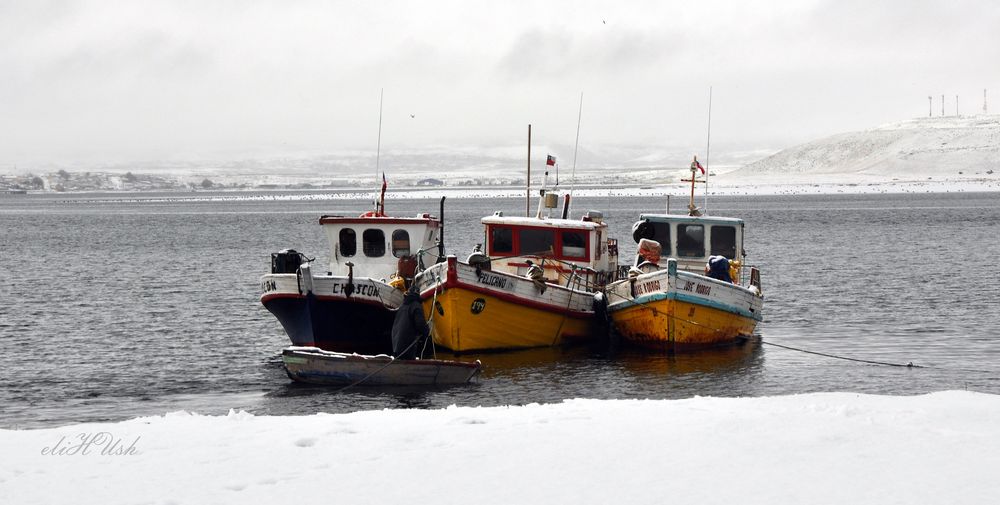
column 695, row 164
column 381, row 210
column 550, row 160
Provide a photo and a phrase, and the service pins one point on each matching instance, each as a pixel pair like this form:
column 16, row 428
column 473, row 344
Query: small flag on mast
column 695, row 164
column 550, row 160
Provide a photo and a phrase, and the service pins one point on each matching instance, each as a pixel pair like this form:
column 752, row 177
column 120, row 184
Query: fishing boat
column 702, row 295
column 350, row 306
column 316, row 366
column 532, row 286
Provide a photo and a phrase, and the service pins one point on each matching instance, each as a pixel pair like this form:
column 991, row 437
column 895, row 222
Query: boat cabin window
column 501, row 240
column 400, row 243
column 373, row 242
column 348, row 242
column 724, row 241
column 690, row 240
column 536, row 241
column 661, row 234
column 574, row 244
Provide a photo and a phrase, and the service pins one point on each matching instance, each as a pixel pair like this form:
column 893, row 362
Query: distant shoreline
column 725, row 187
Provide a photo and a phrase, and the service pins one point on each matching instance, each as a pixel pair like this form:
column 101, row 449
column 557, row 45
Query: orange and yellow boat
column 533, row 286
column 700, row 297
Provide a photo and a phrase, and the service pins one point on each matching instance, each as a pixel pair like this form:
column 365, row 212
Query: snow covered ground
column 915, row 149
column 813, row 448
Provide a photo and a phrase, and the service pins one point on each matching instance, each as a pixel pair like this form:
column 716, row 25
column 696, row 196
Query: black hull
column 334, row 325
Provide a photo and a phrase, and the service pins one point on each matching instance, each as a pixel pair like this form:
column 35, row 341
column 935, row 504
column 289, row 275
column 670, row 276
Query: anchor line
column 430, row 320
column 378, row 293
column 569, row 301
column 846, row 358
column 393, row 359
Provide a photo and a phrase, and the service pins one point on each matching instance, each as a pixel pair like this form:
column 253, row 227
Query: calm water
column 114, row 307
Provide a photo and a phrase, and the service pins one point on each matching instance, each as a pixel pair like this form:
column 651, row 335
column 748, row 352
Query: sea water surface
column 114, row 306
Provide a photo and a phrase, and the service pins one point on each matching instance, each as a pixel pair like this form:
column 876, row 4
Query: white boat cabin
column 374, row 245
column 560, row 246
column 691, row 239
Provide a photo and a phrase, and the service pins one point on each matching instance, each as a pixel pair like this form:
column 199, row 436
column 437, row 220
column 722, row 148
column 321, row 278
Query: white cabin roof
column 576, row 224
column 682, row 218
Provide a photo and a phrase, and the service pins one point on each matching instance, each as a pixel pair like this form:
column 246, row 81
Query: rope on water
column 846, row 358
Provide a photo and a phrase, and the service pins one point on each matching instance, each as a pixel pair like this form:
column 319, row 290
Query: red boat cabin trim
column 519, row 240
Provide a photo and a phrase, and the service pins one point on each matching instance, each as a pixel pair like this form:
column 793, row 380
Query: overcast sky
column 115, row 81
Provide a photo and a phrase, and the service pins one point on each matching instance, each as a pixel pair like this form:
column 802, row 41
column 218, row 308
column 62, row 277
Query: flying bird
column 413, row 115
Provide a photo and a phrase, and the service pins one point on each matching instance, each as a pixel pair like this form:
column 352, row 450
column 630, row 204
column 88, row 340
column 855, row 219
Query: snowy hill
column 907, row 150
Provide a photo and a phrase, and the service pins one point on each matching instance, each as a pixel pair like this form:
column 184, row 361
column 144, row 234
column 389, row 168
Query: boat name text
column 359, row 289
column 647, row 287
column 701, row 289
column 495, row 281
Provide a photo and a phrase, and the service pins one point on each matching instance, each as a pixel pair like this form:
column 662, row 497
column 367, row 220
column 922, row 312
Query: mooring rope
column 846, row 358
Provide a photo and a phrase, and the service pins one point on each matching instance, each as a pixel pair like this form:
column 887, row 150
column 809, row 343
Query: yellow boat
column 684, row 306
column 533, row 286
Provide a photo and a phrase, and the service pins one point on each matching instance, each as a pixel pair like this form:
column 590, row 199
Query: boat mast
column 708, row 144
column 692, row 209
column 527, row 196
column 378, row 147
column 576, row 147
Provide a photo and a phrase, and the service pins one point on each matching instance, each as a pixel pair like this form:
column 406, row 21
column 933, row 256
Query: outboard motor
column 286, row 261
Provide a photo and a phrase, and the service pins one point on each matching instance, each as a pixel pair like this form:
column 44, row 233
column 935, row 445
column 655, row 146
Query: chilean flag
column 550, row 160
column 697, row 165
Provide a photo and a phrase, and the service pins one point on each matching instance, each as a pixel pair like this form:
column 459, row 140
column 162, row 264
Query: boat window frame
column 584, row 251
column 549, row 253
column 557, row 246
column 491, row 237
column 370, row 246
column 711, row 241
column 353, row 242
column 666, row 246
column 406, row 234
column 682, row 234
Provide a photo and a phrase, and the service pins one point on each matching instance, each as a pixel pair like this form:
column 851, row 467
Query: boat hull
column 671, row 311
column 483, row 311
column 315, row 366
column 324, row 317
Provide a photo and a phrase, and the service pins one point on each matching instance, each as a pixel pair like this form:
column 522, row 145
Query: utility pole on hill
column 930, row 106
column 942, row 105
column 956, row 105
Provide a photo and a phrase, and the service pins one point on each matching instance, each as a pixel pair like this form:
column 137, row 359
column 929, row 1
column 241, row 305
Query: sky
column 109, row 81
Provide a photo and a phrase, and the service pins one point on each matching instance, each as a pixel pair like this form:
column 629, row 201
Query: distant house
column 430, row 182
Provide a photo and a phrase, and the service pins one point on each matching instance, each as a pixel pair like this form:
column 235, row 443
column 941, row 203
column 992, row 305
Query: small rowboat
column 316, row 366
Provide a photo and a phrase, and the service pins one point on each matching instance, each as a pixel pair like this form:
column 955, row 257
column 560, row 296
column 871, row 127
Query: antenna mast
column 378, row 145
column 579, row 117
column 708, row 143
column 527, row 196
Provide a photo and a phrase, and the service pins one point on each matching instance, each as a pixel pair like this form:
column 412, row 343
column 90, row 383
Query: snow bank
column 914, row 149
column 814, row 448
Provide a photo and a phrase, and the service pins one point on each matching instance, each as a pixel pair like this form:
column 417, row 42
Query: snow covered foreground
column 813, row 448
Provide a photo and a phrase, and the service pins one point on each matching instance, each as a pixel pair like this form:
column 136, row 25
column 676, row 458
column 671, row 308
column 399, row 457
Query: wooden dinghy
column 316, row 366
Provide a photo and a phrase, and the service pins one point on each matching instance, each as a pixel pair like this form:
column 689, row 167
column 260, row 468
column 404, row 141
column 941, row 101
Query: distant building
column 430, row 182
